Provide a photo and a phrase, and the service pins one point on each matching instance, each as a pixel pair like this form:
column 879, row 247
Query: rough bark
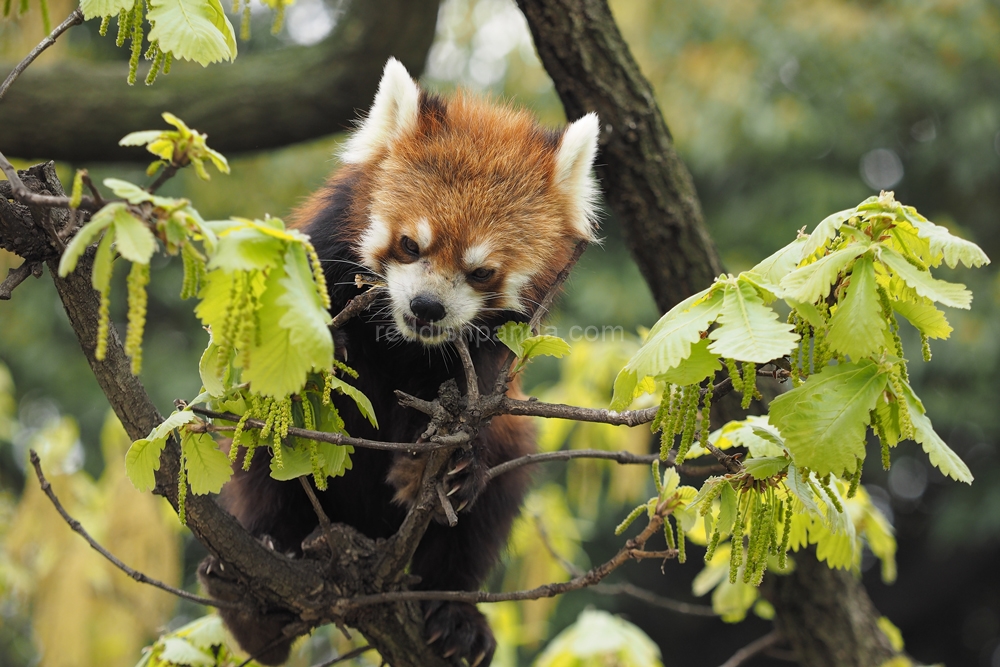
column 645, row 183
column 308, row 586
column 652, row 195
column 259, row 101
column 826, row 616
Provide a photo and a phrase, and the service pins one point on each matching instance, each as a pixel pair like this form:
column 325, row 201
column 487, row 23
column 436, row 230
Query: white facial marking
column 393, row 113
column 424, row 234
column 574, row 174
column 475, row 255
column 512, row 291
column 374, row 241
column 406, row 281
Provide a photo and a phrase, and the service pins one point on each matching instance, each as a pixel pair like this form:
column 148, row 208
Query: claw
column 459, row 467
column 450, row 652
column 455, row 489
column 461, row 506
column 436, row 636
column 479, row 659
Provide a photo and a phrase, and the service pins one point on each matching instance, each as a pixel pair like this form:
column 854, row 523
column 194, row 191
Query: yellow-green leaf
column 195, row 30
column 857, row 328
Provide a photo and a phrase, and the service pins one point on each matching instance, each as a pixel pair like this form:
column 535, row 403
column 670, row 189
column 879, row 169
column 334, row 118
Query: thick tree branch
column 259, row 101
column 96, row 546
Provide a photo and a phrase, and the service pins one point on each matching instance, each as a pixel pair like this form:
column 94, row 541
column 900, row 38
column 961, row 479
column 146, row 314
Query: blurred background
column 783, row 111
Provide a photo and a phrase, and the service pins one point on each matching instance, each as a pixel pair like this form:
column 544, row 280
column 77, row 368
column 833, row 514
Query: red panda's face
column 473, row 208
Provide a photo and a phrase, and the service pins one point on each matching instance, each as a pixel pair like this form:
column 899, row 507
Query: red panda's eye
column 482, row 275
column 410, row 246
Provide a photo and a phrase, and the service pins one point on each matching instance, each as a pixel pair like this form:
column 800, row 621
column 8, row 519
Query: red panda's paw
column 260, row 635
column 457, row 631
column 465, row 478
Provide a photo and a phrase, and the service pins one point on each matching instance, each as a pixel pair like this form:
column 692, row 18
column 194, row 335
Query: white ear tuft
column 393, row 113
column 574, row 173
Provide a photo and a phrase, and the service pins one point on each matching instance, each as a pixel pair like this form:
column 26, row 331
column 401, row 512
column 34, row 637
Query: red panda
column 467, row 210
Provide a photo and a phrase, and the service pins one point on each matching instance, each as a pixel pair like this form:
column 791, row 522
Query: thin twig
column 324, row 520
column 655, row 600
column 502, row 379
column 623, row 457
column 631, row 551
column 471, row 379
column 566, row 564
column 75, row 18
column 17, row 276
column 21, row 193
column 98, row 198
column 345, row 657
column 168, row 172
column 753, row 648
column 321, row 436
column 357, row 305
column 135, row 574
column 449, row 510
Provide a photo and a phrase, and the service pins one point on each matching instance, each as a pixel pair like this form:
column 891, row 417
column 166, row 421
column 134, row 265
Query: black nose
column 427, row 309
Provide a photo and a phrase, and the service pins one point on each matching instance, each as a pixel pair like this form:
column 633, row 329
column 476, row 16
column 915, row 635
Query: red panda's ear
column 574, row 172
column 394, row 112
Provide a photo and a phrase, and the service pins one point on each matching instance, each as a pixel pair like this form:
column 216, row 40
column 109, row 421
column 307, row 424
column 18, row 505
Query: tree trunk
column 259, row 101
column 653, row 197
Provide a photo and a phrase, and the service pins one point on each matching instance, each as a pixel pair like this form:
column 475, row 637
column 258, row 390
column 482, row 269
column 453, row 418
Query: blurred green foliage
column 784, row 111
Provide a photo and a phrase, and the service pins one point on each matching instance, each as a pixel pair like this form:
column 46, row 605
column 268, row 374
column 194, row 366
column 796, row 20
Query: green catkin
column 23, row 9
column 237, row 434
column 734, row 375
column 670, row 419
column 656, row 478
column 318, row 274
column 154, row 69
column 690, row 415
column 706, row 415
column 236, row 6
column 925, row 346
column 749, row 383
column 182, row 490
column 133, row 63
column 245, row 23
column 340, row 365
column 706, row 504
column 681, row 541
column 77, row 193
column 46, row 20
column 712, row 545
column 886, row 459
column 736, row 557
column 189, row 285
column 150, row 51
column 824, row 483
column 785, row 534
column 632, row 516
column 168, row 62
column 103, row 320
column 6, row 8
column 662, row 411
column 103, row 30
column 756, row 533
column 856, row 477
column 279, row 18
column 668, row 533
column 327, row 386
column 124, row 24
column 808, row 339
column 905, row 423
column 138, row 278
column 268, row 413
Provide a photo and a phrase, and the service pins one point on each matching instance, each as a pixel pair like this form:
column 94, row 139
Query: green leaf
column 698, row 366
column 778, row 265
column 550, row 346
column 136, row 195
column 83, row 238
column 104, row 262
column 924, row 316
column 825, row 231
column 214, row 296
column 765, row 467
column 364, row 405
column 943, row 243
column 133, row 239
column 140, row 138
column 670, row 340
column 513, row 335
column 748, row 330
column 142, row 460
column 211, row 371
column 857, row 328
column 207, row 466
column 177, row 651
column 246, row 249
column 95, row 8
column 939, row 453
column 812, row 282
column 727, row 509
column 195, row 30
column 823, row 421
column 950, row 294
column 800, row 489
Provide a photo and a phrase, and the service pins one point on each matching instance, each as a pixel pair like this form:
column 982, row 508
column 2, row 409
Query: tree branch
column 17, row 276
column 75, row 18
column 753, row 648
column 95, row 545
